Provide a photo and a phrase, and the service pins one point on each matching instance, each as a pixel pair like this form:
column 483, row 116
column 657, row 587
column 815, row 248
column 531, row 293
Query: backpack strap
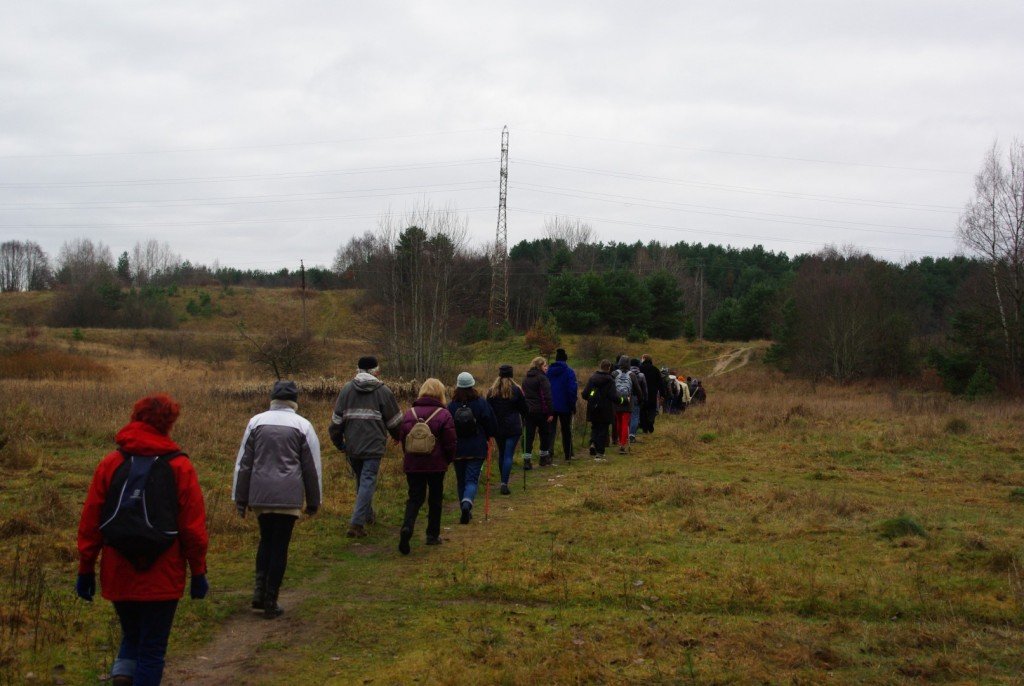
column 421, row 419
column 166, row 456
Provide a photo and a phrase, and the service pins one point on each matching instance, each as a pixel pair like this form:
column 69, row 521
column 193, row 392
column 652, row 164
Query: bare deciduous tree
column 992, row 227
column 150, row 260
column 570, row 230
column 23, row 266
column 81, row 261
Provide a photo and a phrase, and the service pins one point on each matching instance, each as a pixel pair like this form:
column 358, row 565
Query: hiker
column 564, row 390
column 655, row 388
column 427, row 433
column 638, row 396
column 365, row 413
column 600, row 396
column 665, row 373
column 678, row 395
column 691, row 382
column 474, row 427
column 509, row 405
column 700, row 396
column 278, row 467
column 627, row 392
column 537, row 390
column 143, row 584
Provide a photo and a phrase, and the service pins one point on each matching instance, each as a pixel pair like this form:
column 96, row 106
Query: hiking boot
column 527, row 463
column 632, row 438
column 545, row 459
column 622, row 450
column 259, row 590
column 403, row 540
column 593, row 450
column 356, row 531
column 271, row 610
column 505, row 490
column 371, row 520
column 433, row 540
column 467, row 512
column 121, row 680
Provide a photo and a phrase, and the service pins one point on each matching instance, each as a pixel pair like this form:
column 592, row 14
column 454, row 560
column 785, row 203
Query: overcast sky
column 261, row 133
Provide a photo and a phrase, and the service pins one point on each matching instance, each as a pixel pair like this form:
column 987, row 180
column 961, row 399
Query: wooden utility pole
column 305, row 324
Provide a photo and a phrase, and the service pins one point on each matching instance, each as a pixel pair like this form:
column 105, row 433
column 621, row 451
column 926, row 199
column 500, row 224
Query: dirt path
column 232, row 657
column 732, row 361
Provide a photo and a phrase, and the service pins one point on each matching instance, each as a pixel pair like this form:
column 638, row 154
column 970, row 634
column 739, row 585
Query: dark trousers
column 145, row 630
column 537, row 422
column 419, row 485
column 564, row 427
column 648, row 412
column 599, row 436
column 272, row 554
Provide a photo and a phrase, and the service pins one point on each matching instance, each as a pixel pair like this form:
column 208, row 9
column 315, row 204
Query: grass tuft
column 957, row 426
column 901, row 526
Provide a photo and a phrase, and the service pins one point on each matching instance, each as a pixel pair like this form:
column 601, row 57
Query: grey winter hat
column 367, row 363
column 285, row 390
column 466, row 380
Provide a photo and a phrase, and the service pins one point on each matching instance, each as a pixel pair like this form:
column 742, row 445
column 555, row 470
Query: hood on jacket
column 366, row 382
column 557, row 369
column 139, row 438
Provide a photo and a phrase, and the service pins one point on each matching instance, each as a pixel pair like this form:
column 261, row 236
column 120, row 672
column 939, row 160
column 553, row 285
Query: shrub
column 636, row 335
column 503, row 332
column 901, row 526
column 981, row 384
column 957, row 426
column 1017, row 495
column 475, row 329
column 595, row 348
column 543, row 335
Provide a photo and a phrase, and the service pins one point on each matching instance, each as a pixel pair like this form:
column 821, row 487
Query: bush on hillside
column 543, row 335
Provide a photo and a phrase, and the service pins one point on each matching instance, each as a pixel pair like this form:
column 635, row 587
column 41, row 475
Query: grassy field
column 785, row 533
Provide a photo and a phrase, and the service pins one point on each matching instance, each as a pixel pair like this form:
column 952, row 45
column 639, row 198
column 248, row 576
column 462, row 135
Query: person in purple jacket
column 424, row 471
column 474, row 427
column 537, row 391
column 564, row 391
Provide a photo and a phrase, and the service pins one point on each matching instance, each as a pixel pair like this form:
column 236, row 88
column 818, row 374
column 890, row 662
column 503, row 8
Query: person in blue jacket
column 475, row 425
column 564, row 391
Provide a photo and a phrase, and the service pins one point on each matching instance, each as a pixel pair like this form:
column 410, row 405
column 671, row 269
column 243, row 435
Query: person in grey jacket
column 278, row 467
column 365, row 413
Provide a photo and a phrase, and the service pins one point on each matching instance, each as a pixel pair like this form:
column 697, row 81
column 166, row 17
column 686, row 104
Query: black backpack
column 465, row 422
column 140, row 515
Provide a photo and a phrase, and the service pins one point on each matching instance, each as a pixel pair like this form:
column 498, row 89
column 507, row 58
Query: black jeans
column 564, row 427
column 419, row 484
column 272, row 554
column 538, row 422
column 599, row 436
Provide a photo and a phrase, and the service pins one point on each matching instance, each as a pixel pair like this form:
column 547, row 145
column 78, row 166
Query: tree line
column 841, row 314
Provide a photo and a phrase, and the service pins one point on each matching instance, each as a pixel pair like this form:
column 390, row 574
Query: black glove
column 85, row 586
column 200, row 587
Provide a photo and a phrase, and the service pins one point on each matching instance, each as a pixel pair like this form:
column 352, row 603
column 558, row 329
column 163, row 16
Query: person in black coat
column 600, row 396
column 509, row 405
column 655, row 388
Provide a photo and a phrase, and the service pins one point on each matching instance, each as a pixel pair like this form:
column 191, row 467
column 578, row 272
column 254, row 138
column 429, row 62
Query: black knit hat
column 285, row 390
column 367, row 363
column 634, row 362
column 505, row 371
column 560, row 355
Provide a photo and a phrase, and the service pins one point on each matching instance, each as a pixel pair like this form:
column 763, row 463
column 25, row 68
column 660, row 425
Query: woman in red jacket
column 144, row 587
column 426, row 470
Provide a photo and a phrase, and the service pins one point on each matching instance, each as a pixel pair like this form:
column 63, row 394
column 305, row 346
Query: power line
column 748, row 154
column 775, row 218
column 246, row 177
column 219, row 201
column 744, row 189
column 266, row 146
column 679, row 229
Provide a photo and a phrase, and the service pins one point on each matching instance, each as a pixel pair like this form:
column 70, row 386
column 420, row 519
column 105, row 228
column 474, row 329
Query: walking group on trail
column 144, row 520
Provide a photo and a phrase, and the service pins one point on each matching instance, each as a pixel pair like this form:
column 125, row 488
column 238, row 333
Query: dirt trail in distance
column 732, row 361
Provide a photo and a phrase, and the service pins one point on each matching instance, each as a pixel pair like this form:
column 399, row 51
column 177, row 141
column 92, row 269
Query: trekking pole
column 487, row 484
